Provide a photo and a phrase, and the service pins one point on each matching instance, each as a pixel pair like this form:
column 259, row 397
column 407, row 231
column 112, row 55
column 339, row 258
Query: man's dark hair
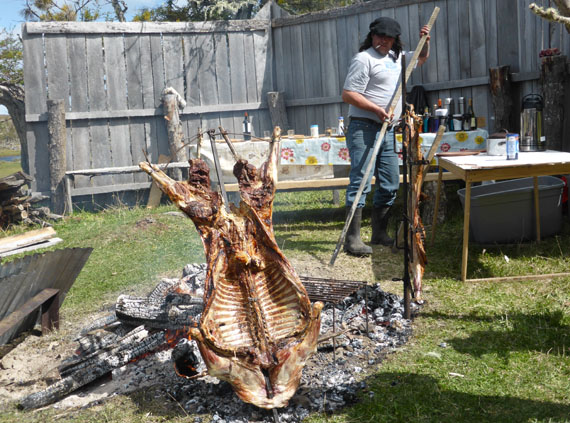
column 396, row 47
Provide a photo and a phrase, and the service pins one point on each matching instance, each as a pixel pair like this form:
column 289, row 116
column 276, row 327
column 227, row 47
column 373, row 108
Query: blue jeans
column 360, row 142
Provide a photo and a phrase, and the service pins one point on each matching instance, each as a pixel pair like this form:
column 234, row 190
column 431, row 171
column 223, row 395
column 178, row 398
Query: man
column 369, row 86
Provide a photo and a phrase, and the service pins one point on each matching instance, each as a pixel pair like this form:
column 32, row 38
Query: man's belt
column 369, row 121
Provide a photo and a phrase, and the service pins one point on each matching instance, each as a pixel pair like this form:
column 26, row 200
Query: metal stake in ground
column 219, row 171
column 395, row 99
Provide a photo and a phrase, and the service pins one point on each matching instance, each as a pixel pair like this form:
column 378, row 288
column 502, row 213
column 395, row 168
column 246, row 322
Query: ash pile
column 143, row 343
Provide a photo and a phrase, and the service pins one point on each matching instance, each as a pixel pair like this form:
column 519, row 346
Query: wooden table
column 478, row 168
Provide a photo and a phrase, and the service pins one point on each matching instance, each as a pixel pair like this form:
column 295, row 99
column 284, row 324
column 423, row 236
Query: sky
column 10, row 18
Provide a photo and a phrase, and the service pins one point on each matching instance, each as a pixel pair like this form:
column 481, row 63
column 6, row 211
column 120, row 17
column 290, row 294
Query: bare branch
column 550, row 14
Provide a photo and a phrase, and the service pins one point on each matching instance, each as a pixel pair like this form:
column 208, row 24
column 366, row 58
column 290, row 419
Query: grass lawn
column 7, row 168
column 480, row 352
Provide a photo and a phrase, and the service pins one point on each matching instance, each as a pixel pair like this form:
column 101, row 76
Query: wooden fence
column 111, row 75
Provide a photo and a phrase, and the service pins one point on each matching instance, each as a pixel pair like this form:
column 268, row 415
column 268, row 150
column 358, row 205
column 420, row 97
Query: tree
column 73, row 10
column 198, row 10
column 562, row 14
column 205, row 10
column 12, row 83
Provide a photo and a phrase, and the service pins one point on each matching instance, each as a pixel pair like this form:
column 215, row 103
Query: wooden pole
column 502, row 96
column 553, row 77
column 378, row 142
column 57, row 154
column 277, row 111
column 170, row 102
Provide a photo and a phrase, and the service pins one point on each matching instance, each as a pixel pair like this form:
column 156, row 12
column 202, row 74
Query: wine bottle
column 466, row 120
column 246, row 128
column 433, row 122
column 425, row 119
column 472, row 117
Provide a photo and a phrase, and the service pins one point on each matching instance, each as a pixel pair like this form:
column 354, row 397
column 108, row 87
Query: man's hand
column 425, row 31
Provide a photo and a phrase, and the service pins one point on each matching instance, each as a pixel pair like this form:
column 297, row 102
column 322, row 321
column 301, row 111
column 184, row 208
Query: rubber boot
column 353, row 243
column 380, row 216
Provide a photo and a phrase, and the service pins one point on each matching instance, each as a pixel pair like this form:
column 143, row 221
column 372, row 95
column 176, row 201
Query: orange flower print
column 311, row 160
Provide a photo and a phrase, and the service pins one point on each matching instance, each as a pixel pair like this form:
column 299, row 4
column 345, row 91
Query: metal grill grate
column 330, row 290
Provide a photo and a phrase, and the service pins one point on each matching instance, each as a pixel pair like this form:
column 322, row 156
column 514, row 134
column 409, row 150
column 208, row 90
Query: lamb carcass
column 418, row 257
column 258, row 327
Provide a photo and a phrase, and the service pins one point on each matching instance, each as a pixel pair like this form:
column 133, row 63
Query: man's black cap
column 385, row 26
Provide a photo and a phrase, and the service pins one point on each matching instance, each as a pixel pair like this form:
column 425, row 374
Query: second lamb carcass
column 418, row 257
column 258, row 327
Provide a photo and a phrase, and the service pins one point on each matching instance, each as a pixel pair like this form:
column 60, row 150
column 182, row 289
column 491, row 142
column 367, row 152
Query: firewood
column 105, row 364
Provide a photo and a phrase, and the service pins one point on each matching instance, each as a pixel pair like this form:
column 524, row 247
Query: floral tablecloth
column 452, row 141
column 333, row 150
column 314, row 151
column 312, row 158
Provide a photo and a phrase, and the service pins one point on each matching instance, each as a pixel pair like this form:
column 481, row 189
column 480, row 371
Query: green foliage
column 195, row 10
column 298, row 7
column 11, row 55
column 63, row 10
column 205, row 10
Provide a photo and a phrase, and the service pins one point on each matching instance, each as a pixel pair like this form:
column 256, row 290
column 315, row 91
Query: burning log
column 258, row 327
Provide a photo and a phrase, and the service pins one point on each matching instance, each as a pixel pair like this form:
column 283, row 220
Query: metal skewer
column 218, row 168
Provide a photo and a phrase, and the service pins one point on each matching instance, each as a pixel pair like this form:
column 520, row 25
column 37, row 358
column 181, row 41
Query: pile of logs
column 16, row 202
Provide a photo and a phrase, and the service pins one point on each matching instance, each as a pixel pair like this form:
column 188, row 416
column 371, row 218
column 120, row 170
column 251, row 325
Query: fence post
column 276, row 103
column 57, row 154
column 553, row 77
column 171, row 101
column 502, row 97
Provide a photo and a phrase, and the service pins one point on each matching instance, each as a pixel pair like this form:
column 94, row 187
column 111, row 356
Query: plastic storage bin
column 503, row 212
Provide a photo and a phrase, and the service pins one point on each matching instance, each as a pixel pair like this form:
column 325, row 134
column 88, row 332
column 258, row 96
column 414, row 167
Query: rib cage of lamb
column 258, row 327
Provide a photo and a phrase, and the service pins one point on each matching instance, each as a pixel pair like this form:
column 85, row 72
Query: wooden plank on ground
column 25, row 239
column 43, row 244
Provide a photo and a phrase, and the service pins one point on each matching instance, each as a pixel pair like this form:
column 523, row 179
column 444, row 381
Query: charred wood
column 173, row 312
column 103, row 364
column 104, row 347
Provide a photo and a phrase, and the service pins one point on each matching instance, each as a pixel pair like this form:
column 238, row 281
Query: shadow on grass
column 411, row 397
column 543, row 332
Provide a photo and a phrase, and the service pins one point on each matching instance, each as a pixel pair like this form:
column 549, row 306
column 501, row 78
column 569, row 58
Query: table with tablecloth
column 333, row 151
column 323, row 157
